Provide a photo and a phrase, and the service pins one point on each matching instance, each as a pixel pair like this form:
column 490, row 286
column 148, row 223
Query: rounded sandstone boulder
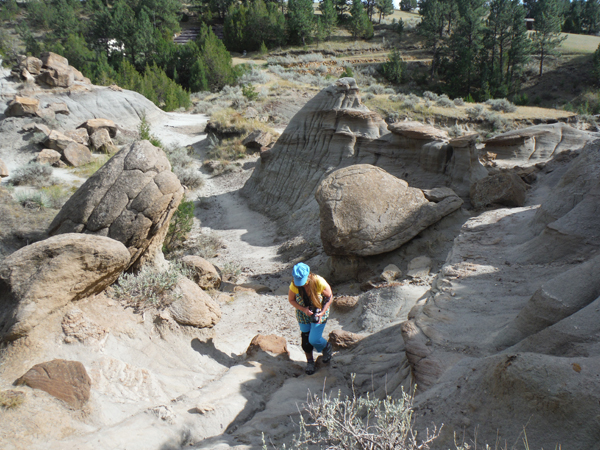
column 194, row 307
column 45, row 276
column 366, row 211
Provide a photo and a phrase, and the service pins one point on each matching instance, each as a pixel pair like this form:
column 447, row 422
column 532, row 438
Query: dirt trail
column 248, row 236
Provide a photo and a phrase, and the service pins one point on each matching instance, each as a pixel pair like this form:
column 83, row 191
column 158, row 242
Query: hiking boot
column 310, row 368
column 327, row 351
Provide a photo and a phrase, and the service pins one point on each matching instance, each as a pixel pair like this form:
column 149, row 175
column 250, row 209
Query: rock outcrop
column 94, row 125
column 65, row 380
column 335, row 130
column 130, row 199
column 194, row 307
column 366, row 211
column 45, row 276
column 22, row 106
column 537, row 144
column 567, row 223
column 506, row 189
column 77, row 154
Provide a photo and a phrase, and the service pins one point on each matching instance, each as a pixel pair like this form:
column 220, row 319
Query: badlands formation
column 481, row 280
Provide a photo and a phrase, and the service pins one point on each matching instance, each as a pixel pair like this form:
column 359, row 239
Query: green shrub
column 149, row 287
column 263, row 48
column 521, row 100
column 393, row 69
column 145, row 134
column 249, row 92
column 180, row 226
column 347, row 73
column 33, row 174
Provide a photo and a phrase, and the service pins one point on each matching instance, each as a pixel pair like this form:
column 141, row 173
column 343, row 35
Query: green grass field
column 580, row 43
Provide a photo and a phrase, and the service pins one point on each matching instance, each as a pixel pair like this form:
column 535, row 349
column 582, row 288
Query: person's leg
column 307, row 347
column 316, row 338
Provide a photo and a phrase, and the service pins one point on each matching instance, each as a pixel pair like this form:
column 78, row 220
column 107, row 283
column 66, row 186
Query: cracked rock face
column 130, row 199
column 366, row 211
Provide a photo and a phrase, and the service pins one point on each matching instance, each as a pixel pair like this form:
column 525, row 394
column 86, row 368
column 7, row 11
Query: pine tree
column 328, row 17
column 360, row 25
column 465, row 46
column 300, row 20
column 408, row 5
column 433, row 23
column 384, row 7
column 548, row 18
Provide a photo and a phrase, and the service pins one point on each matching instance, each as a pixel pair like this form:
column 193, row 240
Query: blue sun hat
column 300, row 273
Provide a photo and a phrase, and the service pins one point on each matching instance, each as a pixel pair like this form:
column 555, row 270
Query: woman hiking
column 311, row 296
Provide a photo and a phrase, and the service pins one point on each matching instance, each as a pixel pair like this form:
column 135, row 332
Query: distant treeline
column 481, row 47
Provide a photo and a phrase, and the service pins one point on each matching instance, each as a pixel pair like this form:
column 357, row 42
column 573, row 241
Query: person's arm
column 294, row 303
column 327, row 296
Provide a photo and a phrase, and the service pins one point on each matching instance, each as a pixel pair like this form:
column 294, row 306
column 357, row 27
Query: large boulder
column 59, row 76
column 65, row 380
column 194, row 307
column 366, row 211
column 100, row 140
column 51, row 59
column 131, row 199
column 47, row 156
column 94, row 125
column 506, row 189
column 58, row 141
column 22, row 106
column 257, row 139
column 79, row 135
column 45, row 276
column 538, row 143
column 32, row 64
column 77, row 154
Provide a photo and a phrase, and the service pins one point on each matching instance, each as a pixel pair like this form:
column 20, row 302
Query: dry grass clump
column 360, row 422
column 90, row 169
column 11, row 399
column 149, row 287
column 230, row 118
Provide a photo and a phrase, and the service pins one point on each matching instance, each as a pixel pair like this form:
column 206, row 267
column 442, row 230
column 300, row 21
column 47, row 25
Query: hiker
column 311, row 296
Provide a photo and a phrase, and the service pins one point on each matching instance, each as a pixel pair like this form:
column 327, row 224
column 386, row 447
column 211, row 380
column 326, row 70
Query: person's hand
column 308, row 312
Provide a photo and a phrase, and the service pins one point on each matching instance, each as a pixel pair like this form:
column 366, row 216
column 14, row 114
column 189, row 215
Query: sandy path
column 248, row 236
